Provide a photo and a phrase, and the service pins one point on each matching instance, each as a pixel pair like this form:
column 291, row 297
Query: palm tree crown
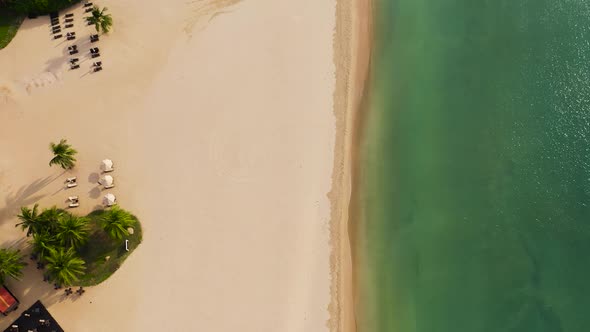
column 43, row 243
column 30, row 220
column 11, row 264
column 50, row 219
column 102, row 22
column 72, row 231
column 64, row 267
column 63, row 154
column 116, row 222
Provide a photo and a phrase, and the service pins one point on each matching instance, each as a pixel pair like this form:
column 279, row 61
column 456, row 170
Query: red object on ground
column 8, row 302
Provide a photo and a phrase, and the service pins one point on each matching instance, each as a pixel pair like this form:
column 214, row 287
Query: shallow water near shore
column 476, row 168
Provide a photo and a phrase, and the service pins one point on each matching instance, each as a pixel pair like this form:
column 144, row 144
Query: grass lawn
column 100, row 246
column 9, row 24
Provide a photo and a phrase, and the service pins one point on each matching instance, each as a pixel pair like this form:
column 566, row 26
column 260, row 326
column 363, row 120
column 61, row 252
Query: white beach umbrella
column 106, row 165
column 106, row 180
column 109, row 199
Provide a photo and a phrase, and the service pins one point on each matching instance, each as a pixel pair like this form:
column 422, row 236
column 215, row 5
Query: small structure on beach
column 36, row 318
column 106, row 165
column 109, row 199
column 8, row 301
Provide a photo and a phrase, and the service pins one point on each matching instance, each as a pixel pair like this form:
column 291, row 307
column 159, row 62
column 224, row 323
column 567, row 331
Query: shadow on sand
column 26, row 195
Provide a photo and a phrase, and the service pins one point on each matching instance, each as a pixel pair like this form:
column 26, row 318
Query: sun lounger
column 73, row 205
column 74, row 52
column 56, row 31
column 54, row 14
column 69, row 25
column 72, row 184
column 74, row 67
column 88, row 10
column 88, row 4
column 55, row 19
column 74, row 60
column 54, row 24
column 69, row 15
column 71, row 34
column 73, row 198
column 71, row 37
column 95, row 55
column 72, row 179
column 69, row 20
column 97, row 64
column 96, row 69
column 57, row 36
column 93, row 40
column 112, row 185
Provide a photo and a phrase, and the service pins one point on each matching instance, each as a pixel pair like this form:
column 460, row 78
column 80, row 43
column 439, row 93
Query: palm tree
column 30, row 220
column 101, row 20
column 50, row 219
column 72, row 231
column 64, row 267
column 63, row 154
column 11, row 264
column 42, row 244
column 116, row 221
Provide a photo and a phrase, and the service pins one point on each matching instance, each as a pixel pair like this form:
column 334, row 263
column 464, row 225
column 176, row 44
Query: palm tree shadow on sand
column 26, row 195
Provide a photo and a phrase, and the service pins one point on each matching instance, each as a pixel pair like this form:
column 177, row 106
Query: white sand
column 219, row 118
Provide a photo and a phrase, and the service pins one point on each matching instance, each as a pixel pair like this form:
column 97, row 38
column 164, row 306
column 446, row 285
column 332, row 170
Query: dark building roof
column 8, row 301
column 37, row 319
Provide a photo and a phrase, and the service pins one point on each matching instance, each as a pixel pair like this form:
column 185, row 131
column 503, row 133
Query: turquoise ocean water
column 476, row 171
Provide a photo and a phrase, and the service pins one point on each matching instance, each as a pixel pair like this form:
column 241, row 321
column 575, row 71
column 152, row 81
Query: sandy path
column 221, row 126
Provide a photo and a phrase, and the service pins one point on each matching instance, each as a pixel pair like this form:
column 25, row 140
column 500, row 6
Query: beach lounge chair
column 96, row 69
column 69, row 15
column 74, row 60
column 95, row 55
column 54, row 24
column 71, row 48
column 88, row 4
column 88, row 10
column 74, row 52
column 72, row 184
column 57, row 36
column 97, row 64
column 72, row 179
column 71, row 37
column 73, row 205
column 69, row 25
column 69, row 20
column 74, row 67
column 55, row 31
column 73, row 198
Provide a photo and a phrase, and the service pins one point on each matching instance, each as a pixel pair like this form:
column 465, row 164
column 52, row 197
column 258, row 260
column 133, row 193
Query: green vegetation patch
column 100, row 246
column 10, row 21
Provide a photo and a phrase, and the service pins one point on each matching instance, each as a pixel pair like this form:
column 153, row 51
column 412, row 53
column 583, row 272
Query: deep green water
column 476, row 174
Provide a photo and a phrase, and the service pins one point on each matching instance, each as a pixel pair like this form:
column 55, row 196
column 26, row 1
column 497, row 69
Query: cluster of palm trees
column 57, row 237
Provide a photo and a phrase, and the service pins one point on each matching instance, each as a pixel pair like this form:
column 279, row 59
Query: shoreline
column 352, row 56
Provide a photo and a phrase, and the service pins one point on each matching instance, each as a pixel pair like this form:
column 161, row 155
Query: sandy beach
column 230, row 127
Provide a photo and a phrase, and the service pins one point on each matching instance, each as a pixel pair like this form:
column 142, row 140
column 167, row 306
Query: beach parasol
column 109, row 199
column 106, row 165
column 106, row 180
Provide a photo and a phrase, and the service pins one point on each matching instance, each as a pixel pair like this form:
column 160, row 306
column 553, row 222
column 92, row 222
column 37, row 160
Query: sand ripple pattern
column 203, row 11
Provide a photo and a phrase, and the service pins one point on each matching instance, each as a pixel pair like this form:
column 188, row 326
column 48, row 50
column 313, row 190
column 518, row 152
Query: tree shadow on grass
column 23, row 197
